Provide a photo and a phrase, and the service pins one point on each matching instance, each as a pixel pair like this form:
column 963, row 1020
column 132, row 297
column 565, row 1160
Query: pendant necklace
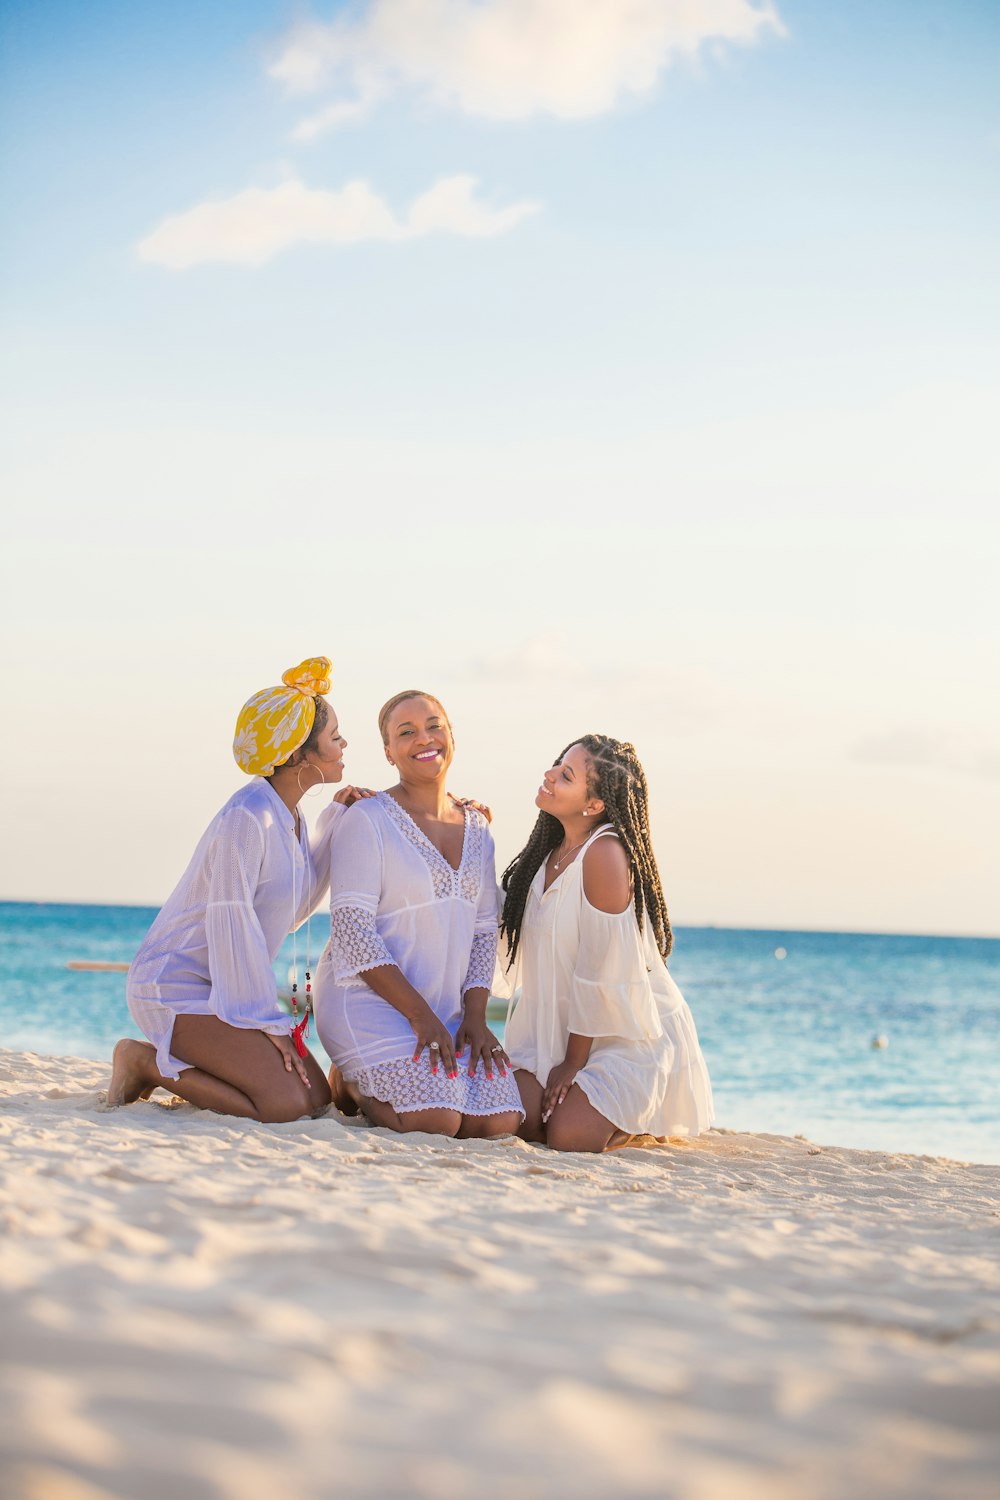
column 557, row 862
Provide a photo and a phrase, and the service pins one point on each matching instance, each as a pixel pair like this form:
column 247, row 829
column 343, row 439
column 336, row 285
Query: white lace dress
column 595, row 974
column 395, row 899
column 210, row 949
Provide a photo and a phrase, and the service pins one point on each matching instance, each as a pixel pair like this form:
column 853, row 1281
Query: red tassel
column 299, row 1032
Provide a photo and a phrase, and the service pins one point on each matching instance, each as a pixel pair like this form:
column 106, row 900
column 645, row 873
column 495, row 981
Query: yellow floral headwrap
column 278, row 720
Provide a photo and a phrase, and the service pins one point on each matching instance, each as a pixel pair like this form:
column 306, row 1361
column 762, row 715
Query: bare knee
column 488, row 1127
column 566, row 1138
column 447, row 1122
column 289, row 1101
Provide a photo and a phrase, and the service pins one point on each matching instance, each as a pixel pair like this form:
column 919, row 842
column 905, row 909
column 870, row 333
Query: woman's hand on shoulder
column 480, row 807
column 348, row 795
column 607, row 880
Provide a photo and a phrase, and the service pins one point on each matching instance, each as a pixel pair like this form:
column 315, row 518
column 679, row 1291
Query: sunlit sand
column 208, row 1307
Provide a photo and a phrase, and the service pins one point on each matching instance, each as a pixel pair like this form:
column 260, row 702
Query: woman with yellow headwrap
column 202, row 986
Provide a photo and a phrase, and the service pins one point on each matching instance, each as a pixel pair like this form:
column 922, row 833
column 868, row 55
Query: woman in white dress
column 402, row 986
column 201, row 987
column 603, row 1044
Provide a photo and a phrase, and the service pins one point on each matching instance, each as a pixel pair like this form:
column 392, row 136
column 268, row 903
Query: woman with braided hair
column 603, row 1045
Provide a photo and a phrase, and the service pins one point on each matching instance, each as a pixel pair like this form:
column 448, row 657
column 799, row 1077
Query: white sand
column 204, row 1308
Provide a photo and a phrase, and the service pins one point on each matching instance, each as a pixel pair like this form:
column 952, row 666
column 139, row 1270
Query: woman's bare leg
column 433, row 1121
column 134, row 1074
column 346, row 1096
column 531, row 1127
column 575, row 1125
column 238, row 1072
column 488, row 1127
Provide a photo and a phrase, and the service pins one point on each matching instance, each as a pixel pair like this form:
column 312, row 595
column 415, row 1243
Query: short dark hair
column 396, row 700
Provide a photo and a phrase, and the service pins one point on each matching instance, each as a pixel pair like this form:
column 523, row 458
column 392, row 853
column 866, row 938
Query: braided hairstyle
column 615, row 775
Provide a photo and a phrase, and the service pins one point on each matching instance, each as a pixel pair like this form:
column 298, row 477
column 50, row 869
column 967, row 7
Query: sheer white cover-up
column 395, row 899
column 210, row 950
column 594, row 973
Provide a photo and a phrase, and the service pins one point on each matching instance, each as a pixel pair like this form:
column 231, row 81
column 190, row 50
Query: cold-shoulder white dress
column 251, row 880
column 594, row 973
column 395, row 899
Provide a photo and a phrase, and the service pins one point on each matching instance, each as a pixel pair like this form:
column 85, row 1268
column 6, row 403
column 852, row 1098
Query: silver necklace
column 557, row 862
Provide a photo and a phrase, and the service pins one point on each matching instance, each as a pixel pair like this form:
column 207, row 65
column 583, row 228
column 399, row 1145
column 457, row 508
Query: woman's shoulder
column 365, row 811
column 607, row 878
column 254, row 800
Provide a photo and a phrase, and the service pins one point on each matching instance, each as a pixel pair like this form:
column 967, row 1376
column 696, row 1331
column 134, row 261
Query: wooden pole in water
column 96, row 965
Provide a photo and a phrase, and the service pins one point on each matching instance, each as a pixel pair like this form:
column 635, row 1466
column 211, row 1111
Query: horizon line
column 701, row 926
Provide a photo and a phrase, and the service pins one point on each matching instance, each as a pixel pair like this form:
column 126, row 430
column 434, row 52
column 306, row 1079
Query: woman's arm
column 392, row 986
column 474, row 1032
column 594, row 1007
column 244, row 992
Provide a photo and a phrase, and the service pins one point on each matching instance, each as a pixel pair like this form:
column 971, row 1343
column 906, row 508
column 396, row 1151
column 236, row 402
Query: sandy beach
column 224, row 1310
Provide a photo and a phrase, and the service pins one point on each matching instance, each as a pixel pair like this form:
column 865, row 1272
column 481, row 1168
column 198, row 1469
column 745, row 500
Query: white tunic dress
column 594, row 973
column 395, row 899
column 209, row 951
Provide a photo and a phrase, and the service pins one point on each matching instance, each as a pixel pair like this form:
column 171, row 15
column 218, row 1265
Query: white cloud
column 506, row 59
column 340, row 112
column 254, row 226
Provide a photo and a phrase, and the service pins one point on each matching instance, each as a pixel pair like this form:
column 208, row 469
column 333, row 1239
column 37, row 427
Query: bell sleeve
column 612, row 993
column 356, row 944
column 483, row 957
column 319, row 861
column 243, row 988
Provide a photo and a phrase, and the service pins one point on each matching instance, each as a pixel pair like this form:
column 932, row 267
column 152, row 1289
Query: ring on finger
column 435, row 1046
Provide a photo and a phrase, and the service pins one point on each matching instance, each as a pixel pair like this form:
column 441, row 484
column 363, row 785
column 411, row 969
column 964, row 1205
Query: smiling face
column 325, row 749
column 418, row 739
column 564, row 791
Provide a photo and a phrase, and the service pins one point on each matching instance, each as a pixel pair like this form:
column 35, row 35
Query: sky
column 619, row 366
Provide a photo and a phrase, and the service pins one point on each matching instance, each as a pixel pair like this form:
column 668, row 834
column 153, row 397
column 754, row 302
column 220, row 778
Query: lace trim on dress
column 482, row 961
column 446, row 881
column 408, row 1086
column 354, row 943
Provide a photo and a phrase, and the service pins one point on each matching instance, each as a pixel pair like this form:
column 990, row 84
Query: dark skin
column 557, row 1111
column 235, row 1071
column 420, row 745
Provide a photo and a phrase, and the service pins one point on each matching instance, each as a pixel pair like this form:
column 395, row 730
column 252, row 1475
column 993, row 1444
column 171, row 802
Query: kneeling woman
column 602, row 1041
column 402, row 987
column 201, row 987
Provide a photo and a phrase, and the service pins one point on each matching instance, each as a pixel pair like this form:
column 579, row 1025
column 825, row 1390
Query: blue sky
column 699, row 451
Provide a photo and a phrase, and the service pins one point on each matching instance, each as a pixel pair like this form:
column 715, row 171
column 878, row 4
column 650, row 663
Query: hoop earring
column 298, row 780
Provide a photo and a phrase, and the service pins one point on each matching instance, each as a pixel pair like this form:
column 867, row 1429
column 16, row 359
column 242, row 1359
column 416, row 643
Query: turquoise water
column 787, row 1040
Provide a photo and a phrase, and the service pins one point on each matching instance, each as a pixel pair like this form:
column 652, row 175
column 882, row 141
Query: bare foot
column 621, row 1139
column 132, row 1065
column 345, row 1095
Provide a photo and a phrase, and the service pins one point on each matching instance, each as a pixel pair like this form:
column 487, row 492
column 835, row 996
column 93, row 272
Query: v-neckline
column 455, row 869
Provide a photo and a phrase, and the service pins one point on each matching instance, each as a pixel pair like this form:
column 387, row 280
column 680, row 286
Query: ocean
column 787, row 1021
